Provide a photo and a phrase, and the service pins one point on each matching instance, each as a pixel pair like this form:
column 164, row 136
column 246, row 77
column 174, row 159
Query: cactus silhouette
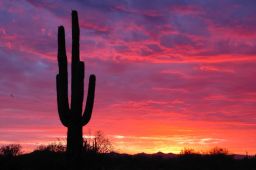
column 72, row 117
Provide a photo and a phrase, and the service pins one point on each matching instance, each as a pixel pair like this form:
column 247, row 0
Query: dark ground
column 45, row 160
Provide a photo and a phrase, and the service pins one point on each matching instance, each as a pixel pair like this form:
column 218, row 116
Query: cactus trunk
column 74, row 140
column 74, row 146
column 72, row 117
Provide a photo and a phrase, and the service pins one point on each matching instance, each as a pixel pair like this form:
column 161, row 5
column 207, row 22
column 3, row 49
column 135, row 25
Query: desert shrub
column 53, row 147
column 10, row 150
column 218, row 151
column 187, row 151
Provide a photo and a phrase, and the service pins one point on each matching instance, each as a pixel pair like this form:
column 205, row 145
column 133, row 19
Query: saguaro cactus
column 72, row 117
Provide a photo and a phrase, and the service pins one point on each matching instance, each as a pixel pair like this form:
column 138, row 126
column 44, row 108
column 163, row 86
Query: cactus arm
column 80, row 86
column 62, row 57
column 63, row 109
column 90, row 100
column 62, row 79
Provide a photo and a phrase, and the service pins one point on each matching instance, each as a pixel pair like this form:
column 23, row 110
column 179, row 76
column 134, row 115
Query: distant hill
column 158, row 155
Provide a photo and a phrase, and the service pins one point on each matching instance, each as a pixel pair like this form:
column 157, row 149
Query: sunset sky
column 170, row 73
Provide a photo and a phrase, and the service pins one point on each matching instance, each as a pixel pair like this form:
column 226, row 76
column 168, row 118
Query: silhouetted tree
column 102, row 144
column 10, row 150
column 98, row 144
column 72, row 117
